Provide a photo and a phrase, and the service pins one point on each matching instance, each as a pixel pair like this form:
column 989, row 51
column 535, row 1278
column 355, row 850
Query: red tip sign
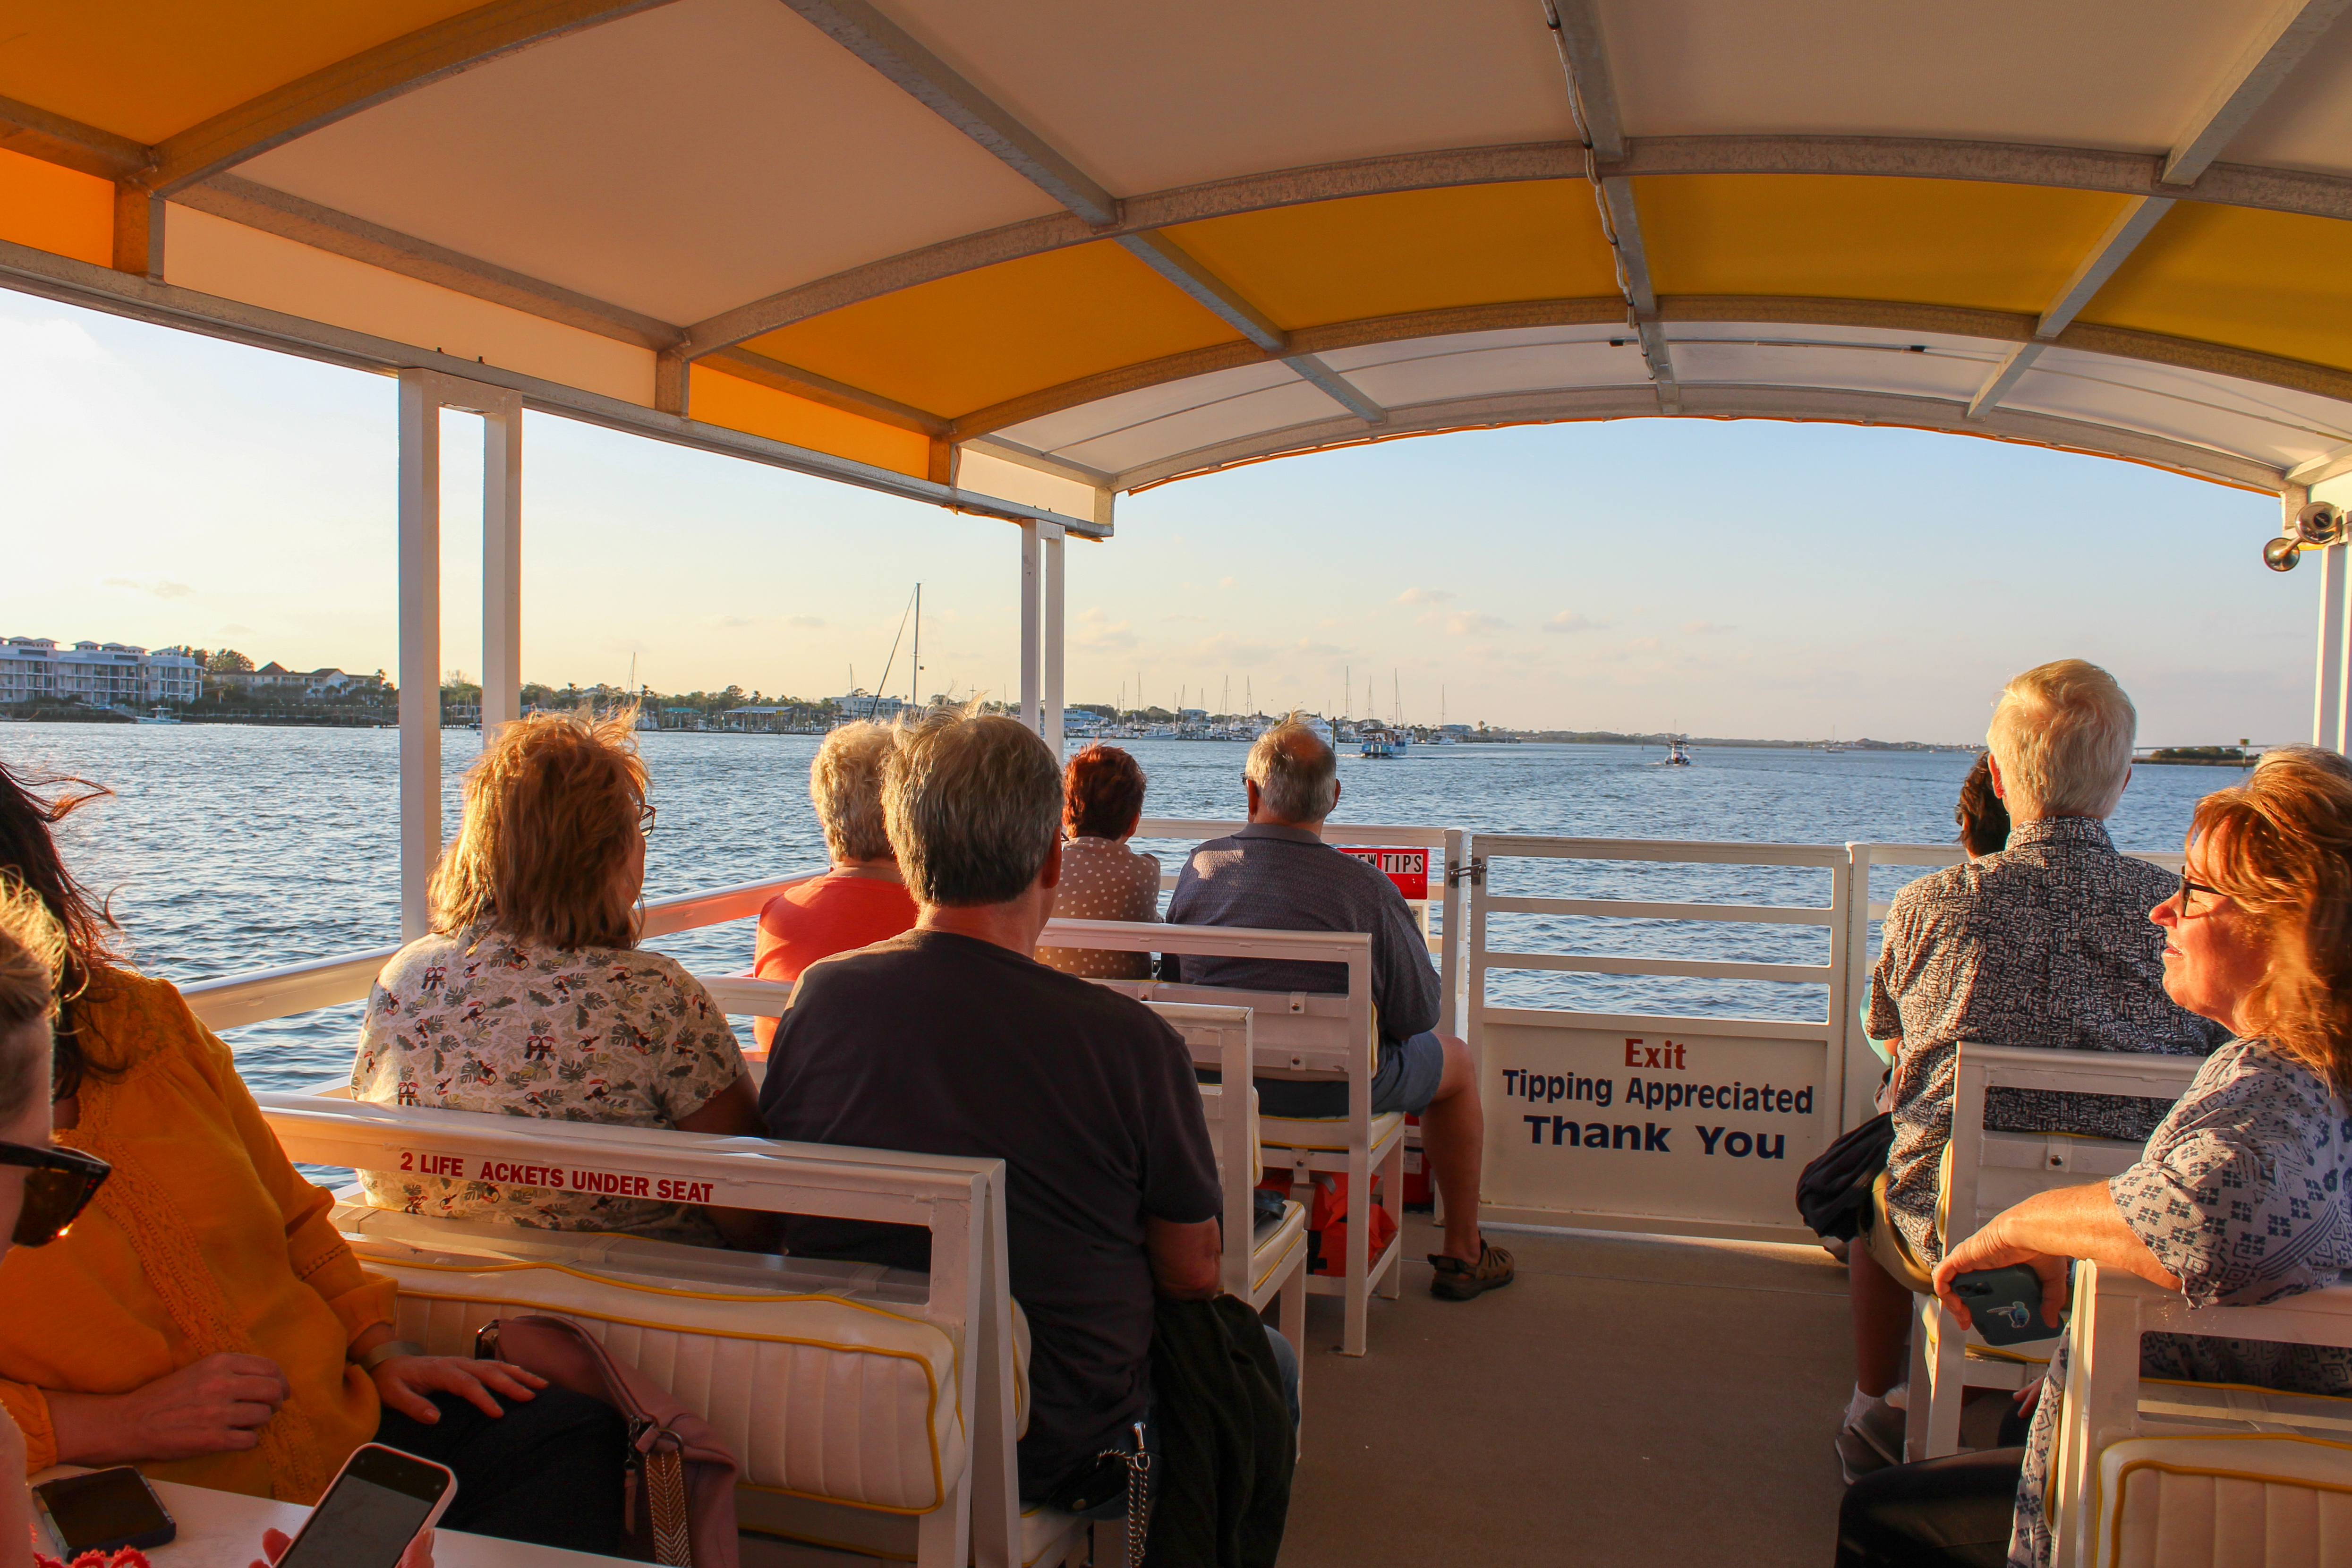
column 1408, row 868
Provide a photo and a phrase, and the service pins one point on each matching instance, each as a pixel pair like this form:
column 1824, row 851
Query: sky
column 1728, row 578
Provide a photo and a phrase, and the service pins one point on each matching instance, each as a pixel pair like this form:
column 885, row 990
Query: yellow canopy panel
column 1020, row 254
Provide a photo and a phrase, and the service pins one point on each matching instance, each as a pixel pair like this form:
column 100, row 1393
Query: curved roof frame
column 196, row 165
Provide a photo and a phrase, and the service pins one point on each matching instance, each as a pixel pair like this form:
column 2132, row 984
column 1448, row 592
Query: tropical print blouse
column 475, row 1021
column 2242, row 1194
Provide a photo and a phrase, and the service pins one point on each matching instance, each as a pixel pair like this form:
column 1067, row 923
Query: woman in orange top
column 861, row 901
column 204, row 1319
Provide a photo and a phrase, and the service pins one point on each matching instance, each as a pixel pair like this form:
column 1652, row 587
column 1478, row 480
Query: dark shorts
column 1407, row 1082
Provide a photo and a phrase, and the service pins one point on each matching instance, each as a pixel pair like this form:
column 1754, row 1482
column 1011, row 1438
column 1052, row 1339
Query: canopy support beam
column 2330, row 693
column 501, row 565
column 2268, row 59
column 2256, row 75
column 420, row 645
column 1042, row 604
column 1593, row 99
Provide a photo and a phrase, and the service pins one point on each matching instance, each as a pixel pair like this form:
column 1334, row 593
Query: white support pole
column 1052, row 615
column 2328, row 713
column 1032, row 644
column 420, row 644
column 501, row 568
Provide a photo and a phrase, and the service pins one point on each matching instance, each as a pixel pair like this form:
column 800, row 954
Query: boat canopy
column 1022, row 256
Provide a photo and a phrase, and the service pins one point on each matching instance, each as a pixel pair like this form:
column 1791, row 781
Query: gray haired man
column 953, row 1039
column 1278, row 874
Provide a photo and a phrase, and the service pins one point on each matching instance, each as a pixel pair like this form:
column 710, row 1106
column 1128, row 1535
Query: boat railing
column 1680, row 1118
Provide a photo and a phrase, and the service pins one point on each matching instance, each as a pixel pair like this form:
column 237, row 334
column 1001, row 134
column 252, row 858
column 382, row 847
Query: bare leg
column 1882, row 1321
column 1453, row 1141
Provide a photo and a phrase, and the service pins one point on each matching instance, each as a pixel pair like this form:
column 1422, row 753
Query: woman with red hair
column 1102, row 878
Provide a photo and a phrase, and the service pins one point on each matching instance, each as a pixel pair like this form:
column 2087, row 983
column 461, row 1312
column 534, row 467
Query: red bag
column 1326, row 1219
column 681, row 1501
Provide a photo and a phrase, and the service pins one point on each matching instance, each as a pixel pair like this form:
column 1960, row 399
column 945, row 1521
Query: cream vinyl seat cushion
column 2250, row 1501
column 1323, row 1134
column 1275, row 1242
column 824, row 1379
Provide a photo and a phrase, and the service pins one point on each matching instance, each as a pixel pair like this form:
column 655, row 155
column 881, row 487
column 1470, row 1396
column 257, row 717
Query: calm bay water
column 233, row 849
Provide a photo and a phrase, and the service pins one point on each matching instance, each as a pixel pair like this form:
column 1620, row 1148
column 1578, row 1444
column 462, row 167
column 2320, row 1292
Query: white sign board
column 1672, row 1125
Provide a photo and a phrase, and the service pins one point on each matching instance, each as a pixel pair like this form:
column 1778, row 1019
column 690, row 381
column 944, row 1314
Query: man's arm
column 1405, row 985
column 1185, row 1258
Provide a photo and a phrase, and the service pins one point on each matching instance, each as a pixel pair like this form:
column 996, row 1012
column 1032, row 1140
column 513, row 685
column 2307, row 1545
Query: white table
column 223, row 1529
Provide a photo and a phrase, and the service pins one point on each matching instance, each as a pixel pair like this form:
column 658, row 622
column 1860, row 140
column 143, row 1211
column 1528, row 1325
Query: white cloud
column 1573, row 621
column 1473, row 623
column 1095, row 631
column 1424, row 596
column 161, row 587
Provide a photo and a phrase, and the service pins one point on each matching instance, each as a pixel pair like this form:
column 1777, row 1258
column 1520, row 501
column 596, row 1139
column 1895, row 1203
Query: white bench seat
column 1323, row 1134
column 2220, row 1501
column 817, row 1395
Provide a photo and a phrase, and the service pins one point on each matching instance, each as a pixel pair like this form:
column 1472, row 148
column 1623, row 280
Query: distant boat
column 161, row 715
column 1382, row 743
column 1677, row 755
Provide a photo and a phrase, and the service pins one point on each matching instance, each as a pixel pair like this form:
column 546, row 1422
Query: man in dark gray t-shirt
column 1278, row 874
column 953, row 1039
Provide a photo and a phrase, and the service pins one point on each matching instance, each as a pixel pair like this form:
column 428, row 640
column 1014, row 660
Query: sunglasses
column 2190, row 888
column 58, row 1185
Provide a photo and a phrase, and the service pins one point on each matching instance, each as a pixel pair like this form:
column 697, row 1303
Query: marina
column 1018, row 265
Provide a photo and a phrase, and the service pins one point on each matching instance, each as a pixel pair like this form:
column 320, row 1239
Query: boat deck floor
column 1627, row 1400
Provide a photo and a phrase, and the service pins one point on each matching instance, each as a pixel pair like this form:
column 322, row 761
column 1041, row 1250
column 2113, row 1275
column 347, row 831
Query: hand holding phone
column 274, row 1543
column 2004, row 1304
column 374, row 1514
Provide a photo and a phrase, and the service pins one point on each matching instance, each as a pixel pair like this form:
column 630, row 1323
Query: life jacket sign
column 1408, row 868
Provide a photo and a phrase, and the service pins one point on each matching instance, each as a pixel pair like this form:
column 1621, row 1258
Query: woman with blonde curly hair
column 531, row 997
column 2244, row 1193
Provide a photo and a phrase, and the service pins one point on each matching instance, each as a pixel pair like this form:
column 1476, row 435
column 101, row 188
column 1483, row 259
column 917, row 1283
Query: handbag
column 680, row 1508
column 1835, row 1189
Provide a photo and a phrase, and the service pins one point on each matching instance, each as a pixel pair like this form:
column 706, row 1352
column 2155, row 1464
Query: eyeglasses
column 58, row 1185
column 2189, row 888
column 646, row 819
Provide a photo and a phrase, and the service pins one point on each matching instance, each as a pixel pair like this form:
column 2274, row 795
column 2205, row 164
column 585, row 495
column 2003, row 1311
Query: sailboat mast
column 915, row 681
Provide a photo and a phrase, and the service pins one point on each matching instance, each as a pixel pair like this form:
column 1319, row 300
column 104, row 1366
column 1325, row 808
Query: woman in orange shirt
column 861, row 901
column 204, row 1319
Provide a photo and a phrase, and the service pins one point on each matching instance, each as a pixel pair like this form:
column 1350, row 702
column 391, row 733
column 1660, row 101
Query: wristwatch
column 391, row 1350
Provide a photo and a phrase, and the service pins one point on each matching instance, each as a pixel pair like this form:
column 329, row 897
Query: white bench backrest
column 1294, row 1033
column 1221, row 1035
column 1990, row 1166
column 960, row 1201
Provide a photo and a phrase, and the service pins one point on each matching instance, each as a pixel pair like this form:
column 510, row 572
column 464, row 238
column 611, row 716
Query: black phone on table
column 382, row 1500
column 104, row 1511
column 2004, row 1304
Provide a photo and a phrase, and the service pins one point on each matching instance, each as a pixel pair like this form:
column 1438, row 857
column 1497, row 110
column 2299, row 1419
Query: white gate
column 1675, row 1125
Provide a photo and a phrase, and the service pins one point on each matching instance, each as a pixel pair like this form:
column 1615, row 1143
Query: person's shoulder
column 1100, row 1010
column 414, row 958
column 884, row 962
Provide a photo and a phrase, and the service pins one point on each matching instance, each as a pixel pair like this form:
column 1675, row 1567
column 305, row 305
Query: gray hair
column 973, row 806
column 2063, row 735
column 845, row 785
column 1297, row 775
column 2319, row 757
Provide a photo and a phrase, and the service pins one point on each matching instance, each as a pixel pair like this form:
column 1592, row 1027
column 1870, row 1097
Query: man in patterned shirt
column 2046, row 943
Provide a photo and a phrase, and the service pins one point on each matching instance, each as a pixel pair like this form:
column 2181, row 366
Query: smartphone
column 382, row 1500
column 2004, row 1304
column 104, row 1511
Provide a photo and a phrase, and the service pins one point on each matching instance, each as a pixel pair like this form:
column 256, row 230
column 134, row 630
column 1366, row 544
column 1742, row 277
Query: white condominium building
column 97, row 674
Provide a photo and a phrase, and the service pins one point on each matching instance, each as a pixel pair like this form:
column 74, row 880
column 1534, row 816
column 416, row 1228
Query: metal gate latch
column 1473, row 873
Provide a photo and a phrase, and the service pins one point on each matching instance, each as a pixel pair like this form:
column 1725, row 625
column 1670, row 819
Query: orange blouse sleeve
column 323, row 1260
column 29, row 1408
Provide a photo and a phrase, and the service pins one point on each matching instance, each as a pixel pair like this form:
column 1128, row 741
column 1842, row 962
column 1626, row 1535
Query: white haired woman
column 2244, row 1193
column 861, row 900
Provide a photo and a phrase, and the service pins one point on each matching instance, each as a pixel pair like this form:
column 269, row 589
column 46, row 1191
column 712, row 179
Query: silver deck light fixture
column 2315, row 524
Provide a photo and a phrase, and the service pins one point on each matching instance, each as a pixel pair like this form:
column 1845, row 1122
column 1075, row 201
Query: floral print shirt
column 2244, row 1194
column 475, row 1021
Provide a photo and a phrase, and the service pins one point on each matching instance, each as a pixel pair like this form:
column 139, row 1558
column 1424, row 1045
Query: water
column 232, row 848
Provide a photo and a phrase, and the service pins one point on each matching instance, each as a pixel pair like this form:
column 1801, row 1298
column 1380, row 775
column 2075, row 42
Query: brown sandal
column 1458, row 1281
